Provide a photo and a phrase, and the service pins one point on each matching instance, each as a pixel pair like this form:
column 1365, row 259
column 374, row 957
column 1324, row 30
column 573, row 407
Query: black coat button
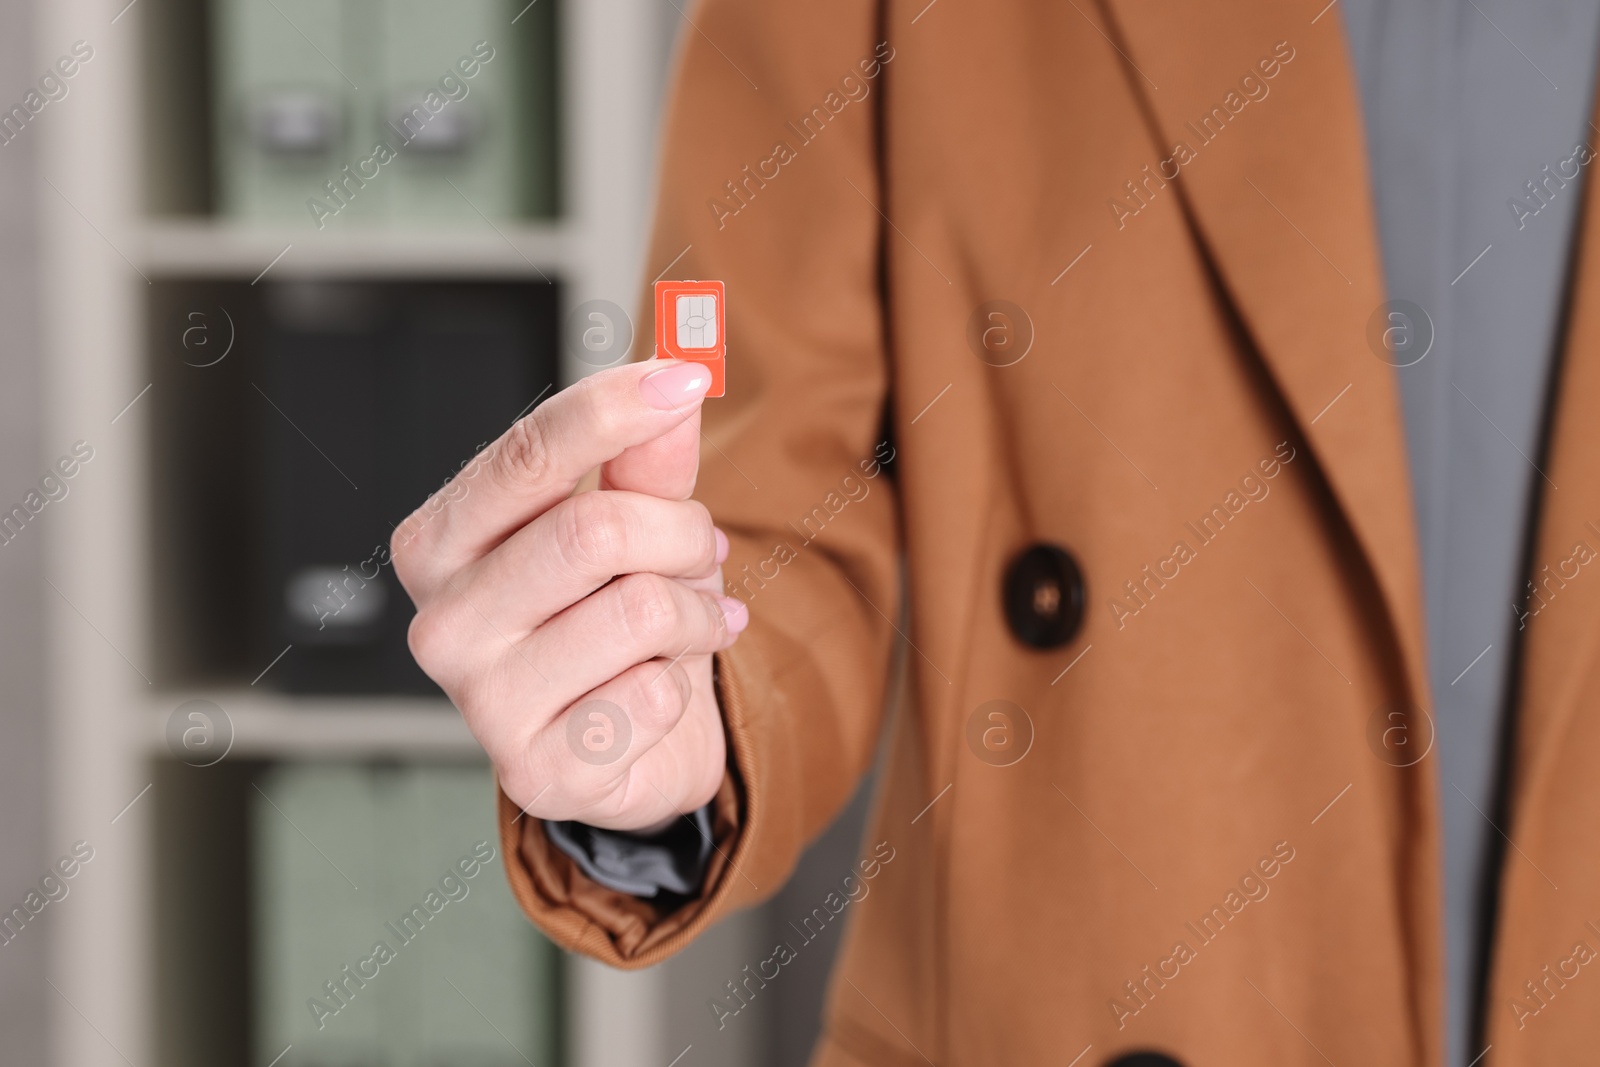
column 1144, row 1059
column 1044, row 596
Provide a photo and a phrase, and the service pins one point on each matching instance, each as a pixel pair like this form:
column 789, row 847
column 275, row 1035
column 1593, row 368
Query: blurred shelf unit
column 295, row 423
column 339, row 912
column 320, row 117
column 296, row 312
column 265, row 725
column 205, row 248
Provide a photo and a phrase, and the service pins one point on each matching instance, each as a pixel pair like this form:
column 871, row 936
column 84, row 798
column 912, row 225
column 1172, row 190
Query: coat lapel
column 1279, row 196
column 1562, row 619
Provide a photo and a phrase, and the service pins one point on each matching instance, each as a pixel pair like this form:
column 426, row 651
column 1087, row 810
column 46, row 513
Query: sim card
column 691, row 325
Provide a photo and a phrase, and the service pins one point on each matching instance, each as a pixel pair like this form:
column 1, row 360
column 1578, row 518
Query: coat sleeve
column 771, row 183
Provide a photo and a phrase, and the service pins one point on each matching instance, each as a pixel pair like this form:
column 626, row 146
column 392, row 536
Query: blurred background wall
column 24, row 1018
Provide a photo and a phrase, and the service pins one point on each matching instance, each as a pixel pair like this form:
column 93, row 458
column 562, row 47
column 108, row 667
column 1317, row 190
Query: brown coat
column 1210, row 751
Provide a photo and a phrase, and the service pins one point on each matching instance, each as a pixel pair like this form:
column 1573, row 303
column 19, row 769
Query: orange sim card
column 690, row 324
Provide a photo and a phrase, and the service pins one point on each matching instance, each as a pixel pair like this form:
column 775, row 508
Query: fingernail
column 734, row 613
column 676, row 386
column 722, row 544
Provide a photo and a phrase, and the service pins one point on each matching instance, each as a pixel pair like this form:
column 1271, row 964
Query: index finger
column 537, row 463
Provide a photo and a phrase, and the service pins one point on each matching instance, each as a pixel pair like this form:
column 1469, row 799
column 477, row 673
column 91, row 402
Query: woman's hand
column 575, row 630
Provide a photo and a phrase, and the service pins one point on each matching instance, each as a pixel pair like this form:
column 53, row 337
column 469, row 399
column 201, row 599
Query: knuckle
column 592, row 531
column 526, row 779
column 524, row 454
column 404, row 551
column 649, row 607
column 660, row 700
column 400, row 558
column 425, row 638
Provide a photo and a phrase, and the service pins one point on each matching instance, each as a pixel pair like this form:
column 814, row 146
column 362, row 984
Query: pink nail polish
column 675, row 387
column 734, row 613
column 722, row 544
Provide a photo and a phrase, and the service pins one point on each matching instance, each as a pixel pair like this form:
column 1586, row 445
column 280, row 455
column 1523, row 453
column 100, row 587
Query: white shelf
column 105, row 725
column 205, row 248
column 278, row 725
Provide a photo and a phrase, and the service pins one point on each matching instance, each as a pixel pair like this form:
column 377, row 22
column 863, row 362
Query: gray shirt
column 1473, row 137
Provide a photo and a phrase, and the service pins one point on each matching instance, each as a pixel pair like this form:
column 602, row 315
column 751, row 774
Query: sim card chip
column 697, row 321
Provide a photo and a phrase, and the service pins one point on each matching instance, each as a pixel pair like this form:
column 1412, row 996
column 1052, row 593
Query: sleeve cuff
column 671, row 862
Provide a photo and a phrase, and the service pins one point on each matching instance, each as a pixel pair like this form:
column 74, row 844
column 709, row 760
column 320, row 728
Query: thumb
column 665, row 466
